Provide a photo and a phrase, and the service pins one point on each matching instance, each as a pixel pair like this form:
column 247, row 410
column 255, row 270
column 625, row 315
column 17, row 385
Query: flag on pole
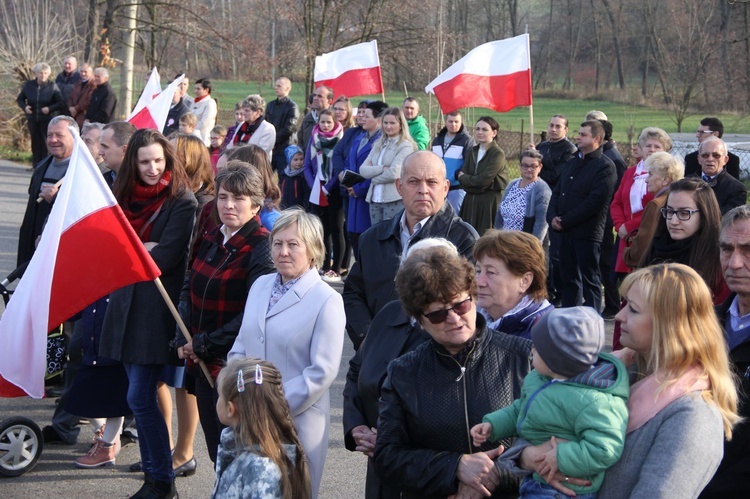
column 151, row 90
column 154, row 114
column 496, row 75
column 350, row 71
column 88, row 249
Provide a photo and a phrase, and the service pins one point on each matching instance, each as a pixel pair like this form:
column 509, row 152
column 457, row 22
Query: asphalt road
column 55, row 474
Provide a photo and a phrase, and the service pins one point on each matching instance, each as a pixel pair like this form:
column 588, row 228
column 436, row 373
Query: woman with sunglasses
column 433, row 395
column 688, row 233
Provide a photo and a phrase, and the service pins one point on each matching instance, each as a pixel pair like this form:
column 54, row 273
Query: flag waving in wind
column 87, row 250
column 151, row 90
column 496, row 75
column 154, row 113
column 351, row 71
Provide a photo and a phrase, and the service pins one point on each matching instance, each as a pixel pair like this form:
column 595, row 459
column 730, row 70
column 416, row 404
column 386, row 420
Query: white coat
column 303, row 336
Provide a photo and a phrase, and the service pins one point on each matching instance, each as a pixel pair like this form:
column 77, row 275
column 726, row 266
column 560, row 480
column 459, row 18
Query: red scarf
column 144, row 203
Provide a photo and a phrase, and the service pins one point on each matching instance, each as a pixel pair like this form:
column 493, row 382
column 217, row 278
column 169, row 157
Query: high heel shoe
column 186, row 469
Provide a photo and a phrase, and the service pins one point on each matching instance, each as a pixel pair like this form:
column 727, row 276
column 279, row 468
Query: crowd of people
column 474, row 302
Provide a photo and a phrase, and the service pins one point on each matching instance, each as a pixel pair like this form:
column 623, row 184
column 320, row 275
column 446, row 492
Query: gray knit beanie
column 569, row 339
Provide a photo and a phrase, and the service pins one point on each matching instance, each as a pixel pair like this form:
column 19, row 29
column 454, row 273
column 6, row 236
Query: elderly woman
column 391, row 335
column 525, row 201
column 433, row 395
column 633, row 194
column 383, row 165
column 483, row 176
column 152, row 189
column 511, row 281
column 663, row 169
column 40, row 100
column 227, row 264
column 683, row 401
column 295, row 320
column 255, row 129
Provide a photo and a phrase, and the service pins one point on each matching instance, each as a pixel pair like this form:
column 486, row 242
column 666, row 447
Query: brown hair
column 128, row 175
column 520, row 252
column 433, row 275
column 265, row 420
column 349, row 120
column 256, row 156
column 192, row 152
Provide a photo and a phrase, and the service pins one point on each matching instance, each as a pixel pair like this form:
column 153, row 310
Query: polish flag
column 151, row 90
column 88, row 249
column 350, row 71
column 154, row 114
column 496, row 75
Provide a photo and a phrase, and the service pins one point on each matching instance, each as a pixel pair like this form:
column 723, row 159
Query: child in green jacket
column 575, row 392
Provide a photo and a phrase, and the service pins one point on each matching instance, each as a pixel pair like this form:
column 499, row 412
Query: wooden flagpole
column 57, row 185
column 182, row 326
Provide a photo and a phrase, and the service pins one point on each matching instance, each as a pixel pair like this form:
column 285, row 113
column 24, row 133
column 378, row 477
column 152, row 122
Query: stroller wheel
column 21, row 446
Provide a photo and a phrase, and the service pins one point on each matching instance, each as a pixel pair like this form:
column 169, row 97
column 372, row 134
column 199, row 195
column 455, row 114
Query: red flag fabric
column 350, row 71
column 154, row 113
column 88, row 249
column 496, row 75
column 151, row 90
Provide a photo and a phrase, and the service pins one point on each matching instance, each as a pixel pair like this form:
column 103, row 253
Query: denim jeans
column 153, row 438
column 531, row 489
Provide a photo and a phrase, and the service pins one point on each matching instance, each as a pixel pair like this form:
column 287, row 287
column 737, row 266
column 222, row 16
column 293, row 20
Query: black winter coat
column 582, row 196
column 554, row 155
column 39, row 96
column 370, row 284
column 283, row 114
column 732, row 479
column 102, row 104
column 428, row 405
column 35, row 215
column 138, row 325
column 173, row 117
column 730, row 192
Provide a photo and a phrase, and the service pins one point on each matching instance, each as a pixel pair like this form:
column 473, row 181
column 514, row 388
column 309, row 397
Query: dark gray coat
column 138, row 325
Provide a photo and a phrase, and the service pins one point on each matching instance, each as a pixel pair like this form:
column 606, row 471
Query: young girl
column 294, row 188
column 260, row 454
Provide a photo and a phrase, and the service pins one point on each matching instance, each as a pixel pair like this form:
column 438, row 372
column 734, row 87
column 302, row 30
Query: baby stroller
column 21, row 441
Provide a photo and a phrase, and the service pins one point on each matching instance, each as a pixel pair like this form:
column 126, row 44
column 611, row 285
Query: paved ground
column 55, row 474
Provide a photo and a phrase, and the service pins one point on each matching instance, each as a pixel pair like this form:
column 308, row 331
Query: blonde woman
column 383, row 165
column 683, row 400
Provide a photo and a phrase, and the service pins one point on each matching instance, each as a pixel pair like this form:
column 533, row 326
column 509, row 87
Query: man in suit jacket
column 712, row 156
column 710, row 127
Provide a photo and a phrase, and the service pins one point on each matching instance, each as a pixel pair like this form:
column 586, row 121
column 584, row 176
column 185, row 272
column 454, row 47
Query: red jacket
column 621, row 213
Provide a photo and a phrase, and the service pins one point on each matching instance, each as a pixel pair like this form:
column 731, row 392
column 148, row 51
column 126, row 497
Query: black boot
column 145, row 490
column 162, row 490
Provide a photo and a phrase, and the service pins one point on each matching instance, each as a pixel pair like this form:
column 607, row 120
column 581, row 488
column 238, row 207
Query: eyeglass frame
column 715, row 155
column 703, row 132
column 665, row 213
column 440, row 316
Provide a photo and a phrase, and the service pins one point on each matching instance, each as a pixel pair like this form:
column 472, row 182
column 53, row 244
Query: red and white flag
column 151, row 90
column 496, row 75
column 350, row 71
column 154, row 114
column 88, row 249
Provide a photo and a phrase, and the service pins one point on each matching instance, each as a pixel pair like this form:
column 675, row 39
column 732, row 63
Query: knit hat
column 569, row 339
column 290, row 152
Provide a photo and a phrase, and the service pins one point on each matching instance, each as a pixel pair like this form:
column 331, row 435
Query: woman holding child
column 683, row 400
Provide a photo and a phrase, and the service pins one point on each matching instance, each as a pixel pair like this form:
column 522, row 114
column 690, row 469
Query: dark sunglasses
column 440, row 316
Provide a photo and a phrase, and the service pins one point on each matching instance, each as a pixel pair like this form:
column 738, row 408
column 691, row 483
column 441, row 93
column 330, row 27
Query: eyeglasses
column 703, row 132
column 682, row 215
column 715, row 155
column 440, row 316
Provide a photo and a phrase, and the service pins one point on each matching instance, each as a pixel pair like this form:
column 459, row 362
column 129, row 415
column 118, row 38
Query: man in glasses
column 710, row 127
column 370, row 284
column 713, row 157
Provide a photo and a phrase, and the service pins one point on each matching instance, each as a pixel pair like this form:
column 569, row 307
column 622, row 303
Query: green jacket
column 419, row 132
column 589, row 410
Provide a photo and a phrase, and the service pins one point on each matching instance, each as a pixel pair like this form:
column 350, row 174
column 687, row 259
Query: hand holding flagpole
column 56, row 186
column 182, row 326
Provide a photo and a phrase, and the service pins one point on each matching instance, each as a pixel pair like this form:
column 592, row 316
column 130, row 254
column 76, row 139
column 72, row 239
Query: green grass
column 15, row 155
column 621, row 115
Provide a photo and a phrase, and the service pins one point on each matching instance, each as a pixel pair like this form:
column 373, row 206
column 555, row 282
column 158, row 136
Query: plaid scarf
column 144, row 203
column 321, row 146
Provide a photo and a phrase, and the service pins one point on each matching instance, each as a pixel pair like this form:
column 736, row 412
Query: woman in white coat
column 295, row 320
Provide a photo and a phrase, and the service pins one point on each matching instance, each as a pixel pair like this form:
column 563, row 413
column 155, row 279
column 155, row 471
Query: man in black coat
column 103, row 100
column 710, row 127
column 578, row 211
column 44, row 184
column 712, row 156
column 732, row 479
column 67, row 78
column 556, row 150
column 176, row 110
column 283, row 114
column 370, row 284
